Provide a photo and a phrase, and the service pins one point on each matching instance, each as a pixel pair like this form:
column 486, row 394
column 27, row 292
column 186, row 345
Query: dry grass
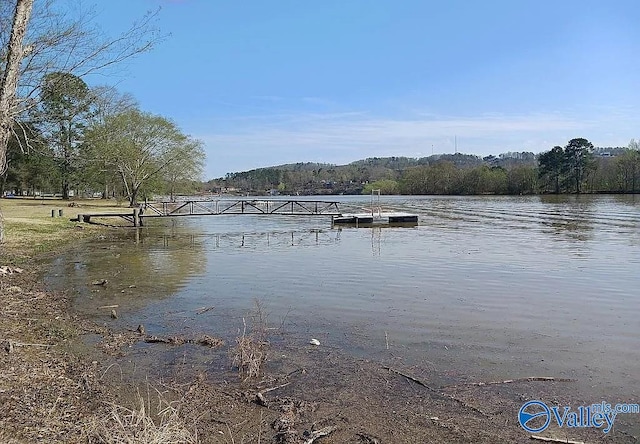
column 250, row 351
column 144, row 423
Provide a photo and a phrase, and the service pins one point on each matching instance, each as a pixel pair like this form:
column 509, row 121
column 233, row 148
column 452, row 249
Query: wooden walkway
column 264, row 207
column 241, row 206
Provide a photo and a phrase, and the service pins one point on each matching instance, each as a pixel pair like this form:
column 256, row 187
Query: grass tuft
column 144, row 423
column 250, row 351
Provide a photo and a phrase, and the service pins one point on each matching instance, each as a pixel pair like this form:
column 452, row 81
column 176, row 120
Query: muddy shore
column 67, row 379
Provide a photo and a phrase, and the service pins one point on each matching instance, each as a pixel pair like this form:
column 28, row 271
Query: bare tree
column 14, row 55
column 8, row 87
column 45, row 38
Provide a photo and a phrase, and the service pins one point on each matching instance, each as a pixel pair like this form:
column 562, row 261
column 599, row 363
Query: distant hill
column 322, row 178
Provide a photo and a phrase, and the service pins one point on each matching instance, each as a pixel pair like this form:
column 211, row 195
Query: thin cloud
column 344, row 137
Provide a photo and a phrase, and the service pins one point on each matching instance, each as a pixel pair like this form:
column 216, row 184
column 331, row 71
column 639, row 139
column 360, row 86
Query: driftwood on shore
column 437, row 392
column 204, row 340
column 566, row 441
column 511, row 381
column 320, row 433
column 9, row 345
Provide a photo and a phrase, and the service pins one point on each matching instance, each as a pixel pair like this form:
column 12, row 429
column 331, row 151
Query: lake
column 484, row 288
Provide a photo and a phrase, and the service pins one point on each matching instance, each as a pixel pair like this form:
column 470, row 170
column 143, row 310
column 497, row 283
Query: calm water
column 484, row 287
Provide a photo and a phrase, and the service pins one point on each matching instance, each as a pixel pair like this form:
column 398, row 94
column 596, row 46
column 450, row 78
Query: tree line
column 574, row 168
column 80, row 140
column 60, row 135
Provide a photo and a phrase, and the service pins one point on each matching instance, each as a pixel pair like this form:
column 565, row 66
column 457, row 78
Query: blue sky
column 269, row 82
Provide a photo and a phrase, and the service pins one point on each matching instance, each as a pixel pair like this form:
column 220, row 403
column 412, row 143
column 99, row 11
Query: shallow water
column 484, row 287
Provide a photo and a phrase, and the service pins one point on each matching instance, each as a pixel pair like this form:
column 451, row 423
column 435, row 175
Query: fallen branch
column 444, row 395
column 275, row 388
column 511, row 381
column 410, row 378
column 320, row 433
column 158, row 340
column 204, row 340
column 108, row 306
column 9, row 345
column 204, row 310
column 566, row 441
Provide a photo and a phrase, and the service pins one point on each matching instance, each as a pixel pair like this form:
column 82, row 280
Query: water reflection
column 139, row 265
column 570, row 216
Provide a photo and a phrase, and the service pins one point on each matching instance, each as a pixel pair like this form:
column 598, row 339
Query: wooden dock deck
column 289, row 207
column 375, row 219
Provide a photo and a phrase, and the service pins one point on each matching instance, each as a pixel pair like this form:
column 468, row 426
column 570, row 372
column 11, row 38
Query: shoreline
column 60, row 388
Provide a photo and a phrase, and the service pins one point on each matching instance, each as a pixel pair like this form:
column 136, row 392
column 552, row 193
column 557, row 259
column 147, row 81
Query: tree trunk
column 133, row 196
column 15, row 53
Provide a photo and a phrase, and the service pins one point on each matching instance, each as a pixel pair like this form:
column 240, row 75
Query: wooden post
column 135, row 217
column 53, row 213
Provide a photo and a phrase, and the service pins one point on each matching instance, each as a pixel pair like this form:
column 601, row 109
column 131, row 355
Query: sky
column 264, row 83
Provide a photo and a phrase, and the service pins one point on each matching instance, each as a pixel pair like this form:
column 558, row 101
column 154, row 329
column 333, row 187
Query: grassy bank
column 49, row 386
column 30, row 230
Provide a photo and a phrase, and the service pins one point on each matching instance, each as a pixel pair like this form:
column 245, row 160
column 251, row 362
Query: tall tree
column 578, row 162
column 97, row 174
column 63, row 115
column 551, row 167
column 141, row 147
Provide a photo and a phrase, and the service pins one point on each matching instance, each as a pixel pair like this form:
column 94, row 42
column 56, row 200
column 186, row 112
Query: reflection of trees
column 568, row 215
column 155, row 267
column 632, row 200
column 631, row 216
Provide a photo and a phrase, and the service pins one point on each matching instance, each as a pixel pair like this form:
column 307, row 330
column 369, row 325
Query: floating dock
column 376, row 219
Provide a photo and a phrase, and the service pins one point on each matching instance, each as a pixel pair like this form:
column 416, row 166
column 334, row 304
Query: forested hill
column 576, row 168
column 321, row 178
